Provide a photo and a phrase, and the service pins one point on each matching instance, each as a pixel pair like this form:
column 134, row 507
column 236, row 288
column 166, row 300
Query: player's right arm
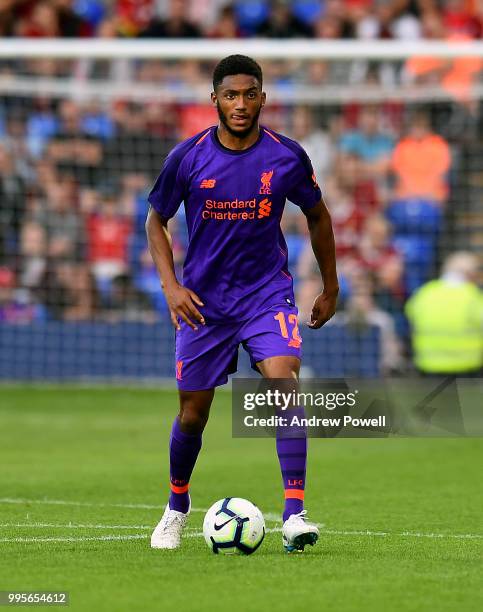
column 181, row 300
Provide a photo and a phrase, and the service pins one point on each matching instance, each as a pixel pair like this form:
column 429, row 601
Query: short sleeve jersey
column 236, row 259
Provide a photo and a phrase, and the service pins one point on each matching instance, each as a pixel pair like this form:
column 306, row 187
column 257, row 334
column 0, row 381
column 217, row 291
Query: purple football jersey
column 237, row 256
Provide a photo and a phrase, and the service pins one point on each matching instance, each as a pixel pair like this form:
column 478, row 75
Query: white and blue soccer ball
column 234, row 526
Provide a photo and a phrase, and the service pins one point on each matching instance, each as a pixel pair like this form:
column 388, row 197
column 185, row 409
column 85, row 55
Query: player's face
column 239, row 100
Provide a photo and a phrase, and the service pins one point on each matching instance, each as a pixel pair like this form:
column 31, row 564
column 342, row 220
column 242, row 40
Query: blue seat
column 414, row 216
column 250, row 14
column 419, row 254
column 307, row 11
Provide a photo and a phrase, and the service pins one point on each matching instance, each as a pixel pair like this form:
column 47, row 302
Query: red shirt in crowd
column 108, row 238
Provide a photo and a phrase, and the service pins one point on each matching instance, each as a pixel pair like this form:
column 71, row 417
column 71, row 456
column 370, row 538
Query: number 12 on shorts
column 295, row 339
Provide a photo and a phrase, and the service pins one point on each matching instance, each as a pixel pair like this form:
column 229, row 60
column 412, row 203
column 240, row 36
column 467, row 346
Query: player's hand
column 181, row 302
column 323, row 308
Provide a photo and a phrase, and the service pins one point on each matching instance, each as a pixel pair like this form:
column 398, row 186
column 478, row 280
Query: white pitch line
column 199, row 534
column 33, row 540
column 74, row 526
column 268, row 516
column 80, row 526
column 404, row 534
column 84, row 539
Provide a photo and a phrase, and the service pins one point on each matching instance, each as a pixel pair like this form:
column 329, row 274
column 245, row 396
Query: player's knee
column 194, row 410
column 280, row 367
column 192, row 418
column 192, row 422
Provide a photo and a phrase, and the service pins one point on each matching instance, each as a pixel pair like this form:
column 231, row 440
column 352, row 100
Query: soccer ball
column 234, row 526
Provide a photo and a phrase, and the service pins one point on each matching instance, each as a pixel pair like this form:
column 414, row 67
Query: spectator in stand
column 226, row 26
column 176, row 25
column 126, row 303
column 43, row 22
column 282, row 23
column 60, row 222
column 318, row 144
column 369, row 143
column 109, row 28
column 336, row 12
column 446, row 317
column 376, row 253
column 73, row 149
column 352, row 198
column 134, row 149
column 133, row 16
column 7, row 21
column 459, row 17
column 456, row 76
column 351, row 173
column 52, row 19
column 70, row 24
column 12, row 309
column 14, row 141
column 32, row 255
column 361, row 311
column 328, row 27
column 108, row 232
column 346, row 219
column 204, row 12
column 68, row 291
column 12, row 204
column 421, row 162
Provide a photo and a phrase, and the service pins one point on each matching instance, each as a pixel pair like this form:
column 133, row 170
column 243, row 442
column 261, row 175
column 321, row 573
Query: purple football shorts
column 205, row 357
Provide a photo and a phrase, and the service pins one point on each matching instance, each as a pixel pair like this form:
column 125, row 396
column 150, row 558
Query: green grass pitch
column 84, row 479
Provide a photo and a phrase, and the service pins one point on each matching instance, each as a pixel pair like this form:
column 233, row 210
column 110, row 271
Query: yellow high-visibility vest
column 447, row 327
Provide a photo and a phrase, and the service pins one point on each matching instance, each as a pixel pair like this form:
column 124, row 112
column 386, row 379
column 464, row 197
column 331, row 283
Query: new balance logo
column 264, row 208
column 208, row 183
column 179, row 367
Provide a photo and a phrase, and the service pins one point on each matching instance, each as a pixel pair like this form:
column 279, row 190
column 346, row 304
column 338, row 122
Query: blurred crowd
column 326, row 19
column 74, row 179
column 75, row 172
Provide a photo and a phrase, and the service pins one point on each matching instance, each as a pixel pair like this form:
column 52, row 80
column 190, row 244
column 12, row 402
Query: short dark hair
column 236, row 64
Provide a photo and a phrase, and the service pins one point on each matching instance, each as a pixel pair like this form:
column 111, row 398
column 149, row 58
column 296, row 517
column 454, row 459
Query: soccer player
column 234, row 179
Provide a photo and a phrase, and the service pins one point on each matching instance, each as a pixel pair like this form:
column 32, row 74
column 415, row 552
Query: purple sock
column 292, row 455
column 183, row 452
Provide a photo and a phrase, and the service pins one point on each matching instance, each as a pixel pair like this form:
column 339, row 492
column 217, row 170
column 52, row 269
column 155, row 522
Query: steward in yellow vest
column 446, row 317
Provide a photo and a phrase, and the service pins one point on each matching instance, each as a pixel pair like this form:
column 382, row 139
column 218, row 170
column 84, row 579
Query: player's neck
column 230, row 141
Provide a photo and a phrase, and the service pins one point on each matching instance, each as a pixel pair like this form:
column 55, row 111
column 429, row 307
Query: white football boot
column 297, row 532
column 167, row 533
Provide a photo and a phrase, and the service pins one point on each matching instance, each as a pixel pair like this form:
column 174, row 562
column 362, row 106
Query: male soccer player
column 234, row 179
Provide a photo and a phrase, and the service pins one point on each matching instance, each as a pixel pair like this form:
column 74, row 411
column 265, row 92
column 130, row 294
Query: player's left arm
column 323, row 245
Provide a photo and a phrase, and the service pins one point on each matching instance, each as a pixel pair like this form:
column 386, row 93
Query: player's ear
column 213, row 98
column 264, row 98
